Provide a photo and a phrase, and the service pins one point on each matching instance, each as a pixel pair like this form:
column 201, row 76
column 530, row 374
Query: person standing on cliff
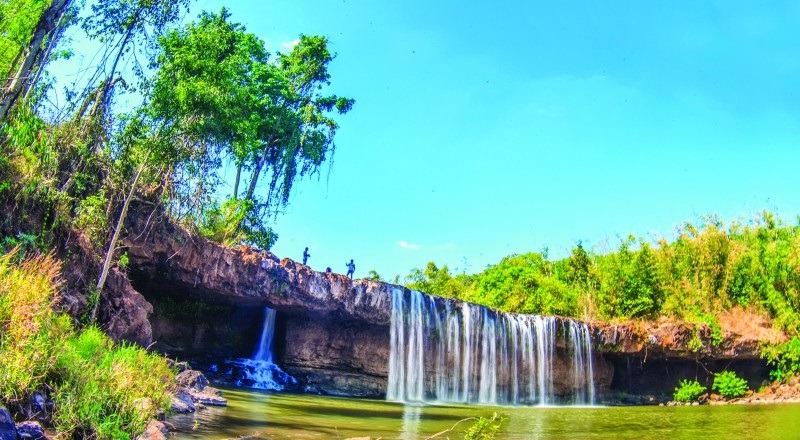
column 305, row 256
column 351, row 268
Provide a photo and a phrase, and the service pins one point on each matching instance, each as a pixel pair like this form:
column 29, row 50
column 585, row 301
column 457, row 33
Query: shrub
column 729, row 385
column 688, row 391
column 784, row 359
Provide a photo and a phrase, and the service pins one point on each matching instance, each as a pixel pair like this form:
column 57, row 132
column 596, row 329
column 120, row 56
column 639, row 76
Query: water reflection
column 411, row 422
column 297, row 416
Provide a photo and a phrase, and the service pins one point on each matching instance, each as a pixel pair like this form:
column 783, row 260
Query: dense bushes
column 704, row 271
column 101, row 390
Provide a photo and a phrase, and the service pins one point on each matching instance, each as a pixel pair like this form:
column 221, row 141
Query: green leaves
column 784, row 358
column 218, row 91
column 729, row 385
column 688, row 391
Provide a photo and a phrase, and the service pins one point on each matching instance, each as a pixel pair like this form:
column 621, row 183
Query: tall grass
column 101, row 389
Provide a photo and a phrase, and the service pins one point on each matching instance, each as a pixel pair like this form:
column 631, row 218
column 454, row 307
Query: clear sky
column 483, row 129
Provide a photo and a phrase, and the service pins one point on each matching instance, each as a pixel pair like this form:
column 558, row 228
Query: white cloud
column 406, row 245
column 290, row 44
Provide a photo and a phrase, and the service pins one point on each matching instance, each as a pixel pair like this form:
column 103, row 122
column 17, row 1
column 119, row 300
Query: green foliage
column 784, row 358
column 30, row 333
column 112, row 391
column 484, row 428
column 706, row 270
column 713, row 324
column 91, row 218
column 18, row 20
column 102, row 390
column 688, row 391
column 222, row 224
column 695, row 344
column 729, row 385
column 436, row 281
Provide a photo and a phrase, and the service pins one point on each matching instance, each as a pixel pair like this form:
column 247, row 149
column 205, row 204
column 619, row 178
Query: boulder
column 30, row 431
column 8, row 430
column 192, row 379
column 154, row 430
column 182, row 402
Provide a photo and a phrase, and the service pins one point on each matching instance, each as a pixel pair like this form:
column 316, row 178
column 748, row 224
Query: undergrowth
column 101, row 389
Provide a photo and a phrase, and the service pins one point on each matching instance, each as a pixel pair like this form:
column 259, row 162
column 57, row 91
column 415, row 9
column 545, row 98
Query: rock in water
column 155, row 430
column 8, row 430
column 192, row 379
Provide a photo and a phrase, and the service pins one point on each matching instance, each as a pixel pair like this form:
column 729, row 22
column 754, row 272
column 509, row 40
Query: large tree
column 217, row 86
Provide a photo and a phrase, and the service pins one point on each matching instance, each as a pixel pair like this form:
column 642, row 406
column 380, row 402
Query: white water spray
column 261, row 372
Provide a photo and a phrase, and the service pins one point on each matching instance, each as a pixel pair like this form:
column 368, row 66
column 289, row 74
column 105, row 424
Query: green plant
column 688, row 391
column 713, row 324
column 695, row 344
column 484, row 428
column 112, row 390
column 784, row 358
column 124, row 260
column 101, row 390
column 729, row 385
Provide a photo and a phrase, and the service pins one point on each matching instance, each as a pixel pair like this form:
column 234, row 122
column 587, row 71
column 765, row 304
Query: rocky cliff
column 333, row 332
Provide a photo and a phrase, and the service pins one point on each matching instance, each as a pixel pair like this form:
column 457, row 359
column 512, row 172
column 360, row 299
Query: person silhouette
column 351, row 268
column 305, row 256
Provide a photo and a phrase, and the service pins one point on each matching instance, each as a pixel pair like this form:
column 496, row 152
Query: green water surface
column 280, row 416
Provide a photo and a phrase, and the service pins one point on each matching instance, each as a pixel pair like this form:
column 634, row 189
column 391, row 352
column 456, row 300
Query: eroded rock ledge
column 335, row 331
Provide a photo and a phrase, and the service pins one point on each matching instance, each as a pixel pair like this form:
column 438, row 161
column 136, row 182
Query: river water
column 280, row 416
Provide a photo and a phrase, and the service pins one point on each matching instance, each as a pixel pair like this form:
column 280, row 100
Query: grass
column 101, row 389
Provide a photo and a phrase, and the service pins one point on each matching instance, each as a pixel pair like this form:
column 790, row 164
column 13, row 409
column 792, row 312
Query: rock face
column 332, row 333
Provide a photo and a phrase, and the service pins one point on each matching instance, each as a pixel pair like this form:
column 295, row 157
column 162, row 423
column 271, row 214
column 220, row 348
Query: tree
column 217, row 86
column 29, row 57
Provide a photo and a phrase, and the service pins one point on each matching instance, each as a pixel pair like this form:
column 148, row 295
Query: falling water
column 476, row 355
column 264, row 350
column 260, row 371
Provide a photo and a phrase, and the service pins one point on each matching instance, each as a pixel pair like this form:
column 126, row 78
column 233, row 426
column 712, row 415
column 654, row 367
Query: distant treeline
column 707, row 269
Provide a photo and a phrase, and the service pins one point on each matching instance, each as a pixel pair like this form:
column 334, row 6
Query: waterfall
column 260, row 371
column 473, row 354
column 264, row 350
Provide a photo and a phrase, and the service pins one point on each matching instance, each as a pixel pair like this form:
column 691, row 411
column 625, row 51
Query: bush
column 729, row 385
column 688, row 391
column 784, row 359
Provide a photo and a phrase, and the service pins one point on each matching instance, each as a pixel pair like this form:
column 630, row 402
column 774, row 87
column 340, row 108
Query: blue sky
column 491, row 128
column 486, row 129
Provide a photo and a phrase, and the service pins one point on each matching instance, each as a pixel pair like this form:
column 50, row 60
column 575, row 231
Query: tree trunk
column 236, row 183
column 34, row 56
column 111, row 247
column 254, row 178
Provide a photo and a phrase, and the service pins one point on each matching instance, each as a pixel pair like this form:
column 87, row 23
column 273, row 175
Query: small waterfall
column 473, row 354
column 260, row 372
column 264, row 350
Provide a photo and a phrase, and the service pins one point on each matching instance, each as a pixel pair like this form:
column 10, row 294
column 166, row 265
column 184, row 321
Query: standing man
column 305, row 256
column 351, row 268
